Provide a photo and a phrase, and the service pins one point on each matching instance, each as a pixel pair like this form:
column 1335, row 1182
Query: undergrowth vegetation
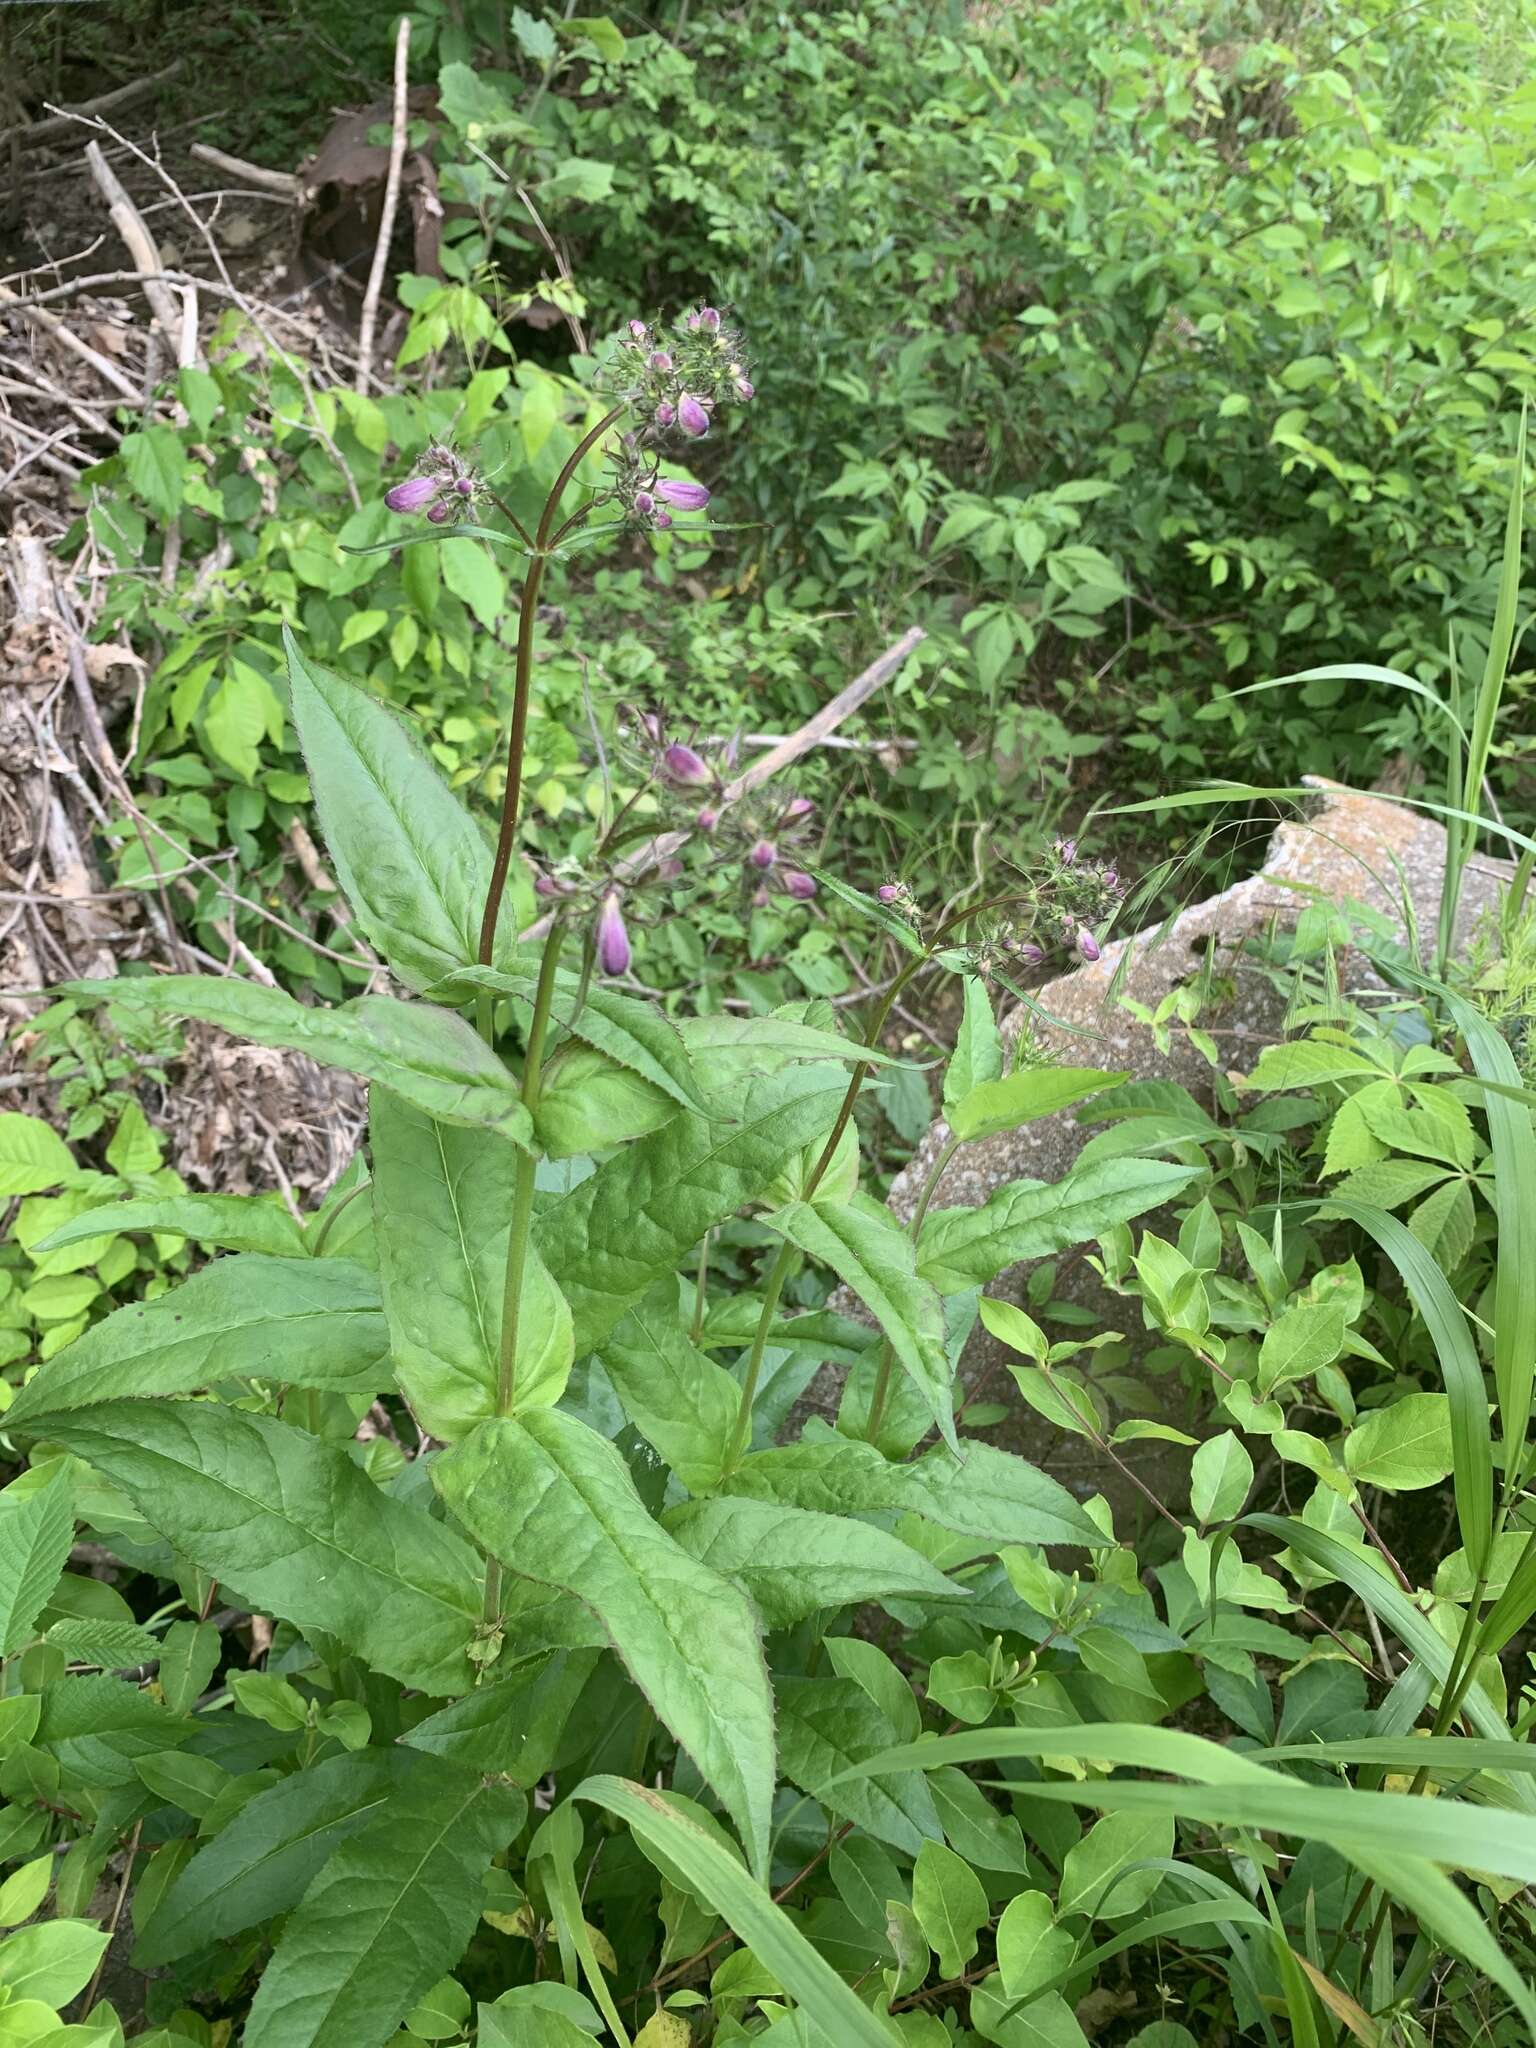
column 558, row 1586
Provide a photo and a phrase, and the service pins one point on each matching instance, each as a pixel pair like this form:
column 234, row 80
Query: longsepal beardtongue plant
column 594, row 1679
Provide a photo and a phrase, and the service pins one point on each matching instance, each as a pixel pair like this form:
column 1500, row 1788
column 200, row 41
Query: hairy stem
column 527, row 1167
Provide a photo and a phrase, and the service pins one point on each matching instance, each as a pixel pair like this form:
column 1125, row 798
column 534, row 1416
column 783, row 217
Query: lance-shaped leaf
column 1031, row 1219
column 870, row 1252
column 617, row 1232
column 1005, row 1102
column 987, row 1493
column 391, row 1911
column 792, row 1560
column 415, row 865
column 309, row 1322
column 234, row 1223
column 293, row 1527
column 260, row 1862
column 556, row 1503
column 430, row 1056
column 978, row 1053
column 680, row 1400
column 442, row 1199
column 37, row 1530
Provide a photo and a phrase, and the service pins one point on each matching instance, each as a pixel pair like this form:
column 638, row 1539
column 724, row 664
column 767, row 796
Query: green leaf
column 513, row 1726
column 987, row 1493
column 415, row 865
column 1221, row 1473
column 259, row 1863
column 680, row 1400
column 1001, row 1105
column 598, row 30
column 234, row 1223
column 589, row 1103
column 37, row 1532
column 608, row 1241
column 191, row 1782
column 1403, row 1446
column 535, row 38
column 963, row 1248
column 110, row 1645
column 293, row 1527
column 442, row 1200
column 32, row 1155
column 51, row 1961
column 392, row 1909
column 155, row 459
column 870, row 1252
column 471, row 575
column 828, row 1724
column 950, row 1905
column 25, row 1890
column 1031, row 1947
column 428, row 1055
column 189, row 1656
column 633, row 1034
column 555, row 1502
column 978, row 1053
column 712, row 1872
column 1300, row 1341
column 790, row 1561
column 97, row 1726
column 315, row 1320
column 1099, row 1876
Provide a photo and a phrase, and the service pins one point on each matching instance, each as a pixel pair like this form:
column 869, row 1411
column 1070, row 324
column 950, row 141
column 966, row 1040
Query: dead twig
column 387, row 213
column 283, row 183
column 60, row 123
column 148, row 264
column 56, row 330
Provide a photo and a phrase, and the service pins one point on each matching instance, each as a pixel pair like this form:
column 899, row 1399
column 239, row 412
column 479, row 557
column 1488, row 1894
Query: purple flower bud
column 668, row 870
column 637, row 330
column 760, row 899
column 1066, row 851
column 1087, row 944
column 612, row 939
column 645, row 504
column 745, row 388
column 764, row 854
column 666, row 413
column 684, row 766
column 887, row 892
column 685, row 497
column 662, row 521
column 1030, row 953
column 707, row 820
column 709, row 320
column 1111, row 878
column 658, row 359
column 801, row 887
column 798, row 807
column 465, row 487
column 549, row 886
column 693, row 323
column 413, row 495
column 691, row 416
column 441, row 512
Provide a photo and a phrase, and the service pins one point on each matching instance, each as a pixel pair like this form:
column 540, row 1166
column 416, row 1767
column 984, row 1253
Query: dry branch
column 283, row 183
column 139, row 242
column 387, row 213
column 55, row 125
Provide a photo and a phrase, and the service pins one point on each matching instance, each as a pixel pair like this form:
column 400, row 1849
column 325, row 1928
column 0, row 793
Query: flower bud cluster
column 1062, row 910
column 443, row 485
column 674, row 380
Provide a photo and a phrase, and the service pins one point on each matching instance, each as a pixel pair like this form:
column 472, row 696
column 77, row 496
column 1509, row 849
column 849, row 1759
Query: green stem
column 527, row 1168
column 882, row 1392
column 778, row 1273
column 327, row 1223
column 700, row 1292
column 931, row 1184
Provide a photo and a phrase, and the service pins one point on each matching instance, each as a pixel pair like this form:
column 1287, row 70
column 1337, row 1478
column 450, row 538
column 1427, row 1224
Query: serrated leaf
column 317, row 1321
column 415, row 865
column 616, row 1233
column 680, row 1400
column 233, row 1223
column 964, row 1248
column 870, row 1252
column 556, row 1503
column 430, row 1056
column 96, row 1727
column 293, row 1527
column 978, row 1053
column 987, row 1493
column 791, row 1561
column 37, row 1532
column 260, row 1862
column 1002, row 1105
column 442, row 1200
column 826, row 1725
column 110, row 1645
column 392, row 1909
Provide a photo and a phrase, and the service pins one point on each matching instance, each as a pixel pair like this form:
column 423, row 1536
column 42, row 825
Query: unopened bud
column 764, row 854
column 658, row 359
column 691, row 416
column 887, row 892
column 801, row 887
column 685, row 497
column 709, row 320
column 1087, row 944
column 1030, row 953
column 707, row 820
column 464, row 486
column 414, row 495
column 745, row 389
column 1111, row 878
column 666, row 413
column 440, row 512
column 645, row 504
column 1066, row 851
column 684, row 766
column 612, row 939
column 637, row 330
column 798, row 807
